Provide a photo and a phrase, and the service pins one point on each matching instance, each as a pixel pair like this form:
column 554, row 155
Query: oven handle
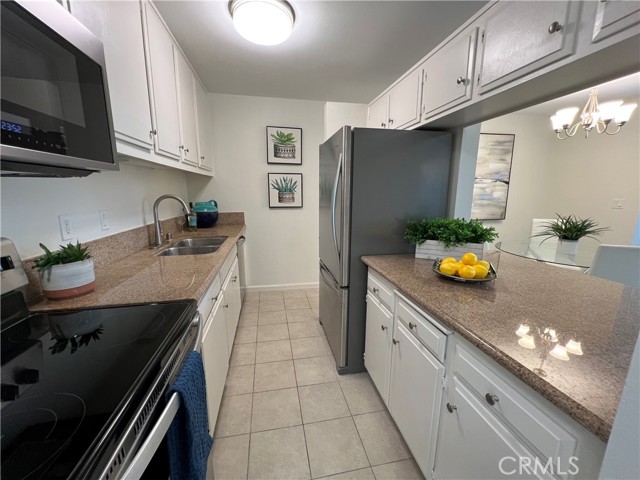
column 154, row 439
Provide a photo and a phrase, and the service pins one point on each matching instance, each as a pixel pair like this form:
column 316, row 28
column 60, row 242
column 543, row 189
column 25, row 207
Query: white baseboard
column 290, row 286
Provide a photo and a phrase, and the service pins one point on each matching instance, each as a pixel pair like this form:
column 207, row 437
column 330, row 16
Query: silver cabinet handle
column 383, row 327
column 181, row 147
column 491, row 399
column 383, row 125
column 395, row 342
column 451, row 407
column 391, row 121
column 375, row 290
column 234, row 279
column 412, row 325
column 186, row 150
column 225, row 306
column 202, row 157
column 153, row 132
column 460, row 80
column 554, row 27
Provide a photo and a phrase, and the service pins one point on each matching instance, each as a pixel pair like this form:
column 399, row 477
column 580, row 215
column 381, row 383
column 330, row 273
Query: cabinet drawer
column 421, row 325
column 208, row 299
column 381, row 290
column 523, row 416
column 228, row 263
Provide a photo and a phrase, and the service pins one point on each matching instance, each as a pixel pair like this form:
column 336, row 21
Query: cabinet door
column 187, row 103
column 614, row 16
column 404, row 101
column 379, row 113
column 162, row 75
column 449, row 74
column 233, row 302
column 215, row 356
column 521, row 37
column 205, row 130
column 377, row 345
column 475, row 444
column 119, row 26
column 415, row 395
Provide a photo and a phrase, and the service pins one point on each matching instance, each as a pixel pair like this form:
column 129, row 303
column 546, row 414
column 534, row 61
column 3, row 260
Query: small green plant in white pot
column 284, row 144
column 569, row 230
column 286, row 187
column 66, row 273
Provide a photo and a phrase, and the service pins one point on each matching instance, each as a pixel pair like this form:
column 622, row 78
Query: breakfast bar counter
column 603, row 315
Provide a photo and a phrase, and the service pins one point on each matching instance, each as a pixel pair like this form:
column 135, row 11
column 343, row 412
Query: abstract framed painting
column 493, row 172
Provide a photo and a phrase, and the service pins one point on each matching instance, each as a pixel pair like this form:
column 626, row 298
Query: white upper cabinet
column 448, row 74
column 404, row 101
column 379, row 113
column 162, row 78
column 521, row 37
column 119, row 26
column 205, row 128
column 187, row 104
column 613, row 16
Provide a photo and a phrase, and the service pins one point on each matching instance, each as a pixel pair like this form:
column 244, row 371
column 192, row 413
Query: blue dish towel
column 188, row 438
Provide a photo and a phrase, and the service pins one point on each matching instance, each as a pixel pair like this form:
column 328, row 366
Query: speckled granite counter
column 144, row 277
column 604, row 315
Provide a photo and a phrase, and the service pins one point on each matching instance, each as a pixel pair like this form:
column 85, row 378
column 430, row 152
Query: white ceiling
column 625, row 88
column 343, row 51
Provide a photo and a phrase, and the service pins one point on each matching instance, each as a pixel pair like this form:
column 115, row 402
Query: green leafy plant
column 450, row 231
column 281, row 138
column 571, row 228
column 69, row 253
column 284, row 184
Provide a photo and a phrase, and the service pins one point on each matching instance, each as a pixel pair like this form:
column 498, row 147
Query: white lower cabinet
column 215, row 356
column 415, row 395
column 377, row 345
column 233, row 303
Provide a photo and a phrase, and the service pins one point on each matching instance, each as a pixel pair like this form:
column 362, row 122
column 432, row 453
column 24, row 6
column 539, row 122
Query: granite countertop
column 144, row 277
column 604, row 315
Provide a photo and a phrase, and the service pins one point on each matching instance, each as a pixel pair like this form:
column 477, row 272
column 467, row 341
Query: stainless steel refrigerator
column 371, row 182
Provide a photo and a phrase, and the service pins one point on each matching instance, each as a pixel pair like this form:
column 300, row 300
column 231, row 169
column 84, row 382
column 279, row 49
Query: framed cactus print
column 284, row 145
column 285, row 190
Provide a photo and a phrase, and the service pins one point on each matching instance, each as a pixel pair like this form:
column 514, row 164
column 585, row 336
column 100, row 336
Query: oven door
column 55, row 103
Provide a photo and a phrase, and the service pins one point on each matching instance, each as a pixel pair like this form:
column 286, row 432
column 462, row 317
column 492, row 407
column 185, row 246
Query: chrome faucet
column 156, row 220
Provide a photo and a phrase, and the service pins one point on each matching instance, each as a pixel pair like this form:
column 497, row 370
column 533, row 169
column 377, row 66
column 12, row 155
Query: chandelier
column 594, row 115
column 551, row 343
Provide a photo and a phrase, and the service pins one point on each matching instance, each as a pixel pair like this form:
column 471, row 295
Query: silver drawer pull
column 226, row 306
column 491, row 399
column 383, row 327
column 460, row 80
column 395, row 342
column 234, row 279
column 375, row 290
column 412, row 325
column 554, row 27
column 451, row 407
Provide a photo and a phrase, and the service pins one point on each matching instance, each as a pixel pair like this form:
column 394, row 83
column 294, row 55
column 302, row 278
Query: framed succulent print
column 284, row 145
column 285, row 190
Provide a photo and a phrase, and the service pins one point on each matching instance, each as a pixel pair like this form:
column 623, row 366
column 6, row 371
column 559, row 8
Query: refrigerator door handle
column 333, row 209
column 329, row 279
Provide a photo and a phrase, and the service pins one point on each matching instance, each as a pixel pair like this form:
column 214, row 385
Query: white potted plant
column 448, row 237
column 569, row 230
column 66, row 273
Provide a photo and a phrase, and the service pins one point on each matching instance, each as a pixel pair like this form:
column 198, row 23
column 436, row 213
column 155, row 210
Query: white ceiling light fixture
column 265, row 22
column 593, row 115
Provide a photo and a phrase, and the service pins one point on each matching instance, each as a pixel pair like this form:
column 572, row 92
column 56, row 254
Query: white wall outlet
column 617, row 203
column 66, row 227
column 104, row 219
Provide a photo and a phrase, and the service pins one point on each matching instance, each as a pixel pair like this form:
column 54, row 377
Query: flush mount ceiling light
column 594, row 115
column 265, row 22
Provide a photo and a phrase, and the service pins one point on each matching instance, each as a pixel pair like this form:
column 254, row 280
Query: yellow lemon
column 485, row 264
column 449, row 259
column 469, row 258
column 459, row 265
column 468, row 271
column 448, row 268
column 481, row 271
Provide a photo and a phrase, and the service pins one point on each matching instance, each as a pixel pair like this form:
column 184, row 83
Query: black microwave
column 56, row 115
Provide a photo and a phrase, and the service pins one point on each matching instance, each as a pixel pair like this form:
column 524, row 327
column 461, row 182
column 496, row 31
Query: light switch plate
column 104, row 219
column 66, row 227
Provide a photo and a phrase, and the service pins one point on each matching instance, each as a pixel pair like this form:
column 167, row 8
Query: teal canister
column 207, row 213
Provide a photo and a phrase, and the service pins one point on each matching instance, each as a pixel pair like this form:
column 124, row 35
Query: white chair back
column 539, row 225
column 619, row 263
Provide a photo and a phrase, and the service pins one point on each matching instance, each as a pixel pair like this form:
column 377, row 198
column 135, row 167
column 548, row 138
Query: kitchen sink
column 201, row 242
column 170, row 252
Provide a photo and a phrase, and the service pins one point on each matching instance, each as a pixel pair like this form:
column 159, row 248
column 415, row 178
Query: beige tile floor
column 286, row 414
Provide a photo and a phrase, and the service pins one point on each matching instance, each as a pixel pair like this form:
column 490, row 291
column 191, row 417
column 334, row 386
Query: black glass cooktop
column 70, row 380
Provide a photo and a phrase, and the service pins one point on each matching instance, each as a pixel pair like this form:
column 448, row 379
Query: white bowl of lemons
column 466, row 269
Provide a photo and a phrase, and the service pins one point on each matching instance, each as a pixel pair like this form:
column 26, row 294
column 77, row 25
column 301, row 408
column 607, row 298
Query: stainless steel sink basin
column 200, row 242
column 170, row 252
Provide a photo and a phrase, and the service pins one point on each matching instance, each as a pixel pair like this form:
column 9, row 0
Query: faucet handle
column 168, row 236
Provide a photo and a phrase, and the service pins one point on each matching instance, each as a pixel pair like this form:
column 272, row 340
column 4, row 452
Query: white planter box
column 432, row 249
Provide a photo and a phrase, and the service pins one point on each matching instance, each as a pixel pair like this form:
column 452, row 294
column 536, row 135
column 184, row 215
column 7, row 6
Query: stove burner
column 36, row 429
